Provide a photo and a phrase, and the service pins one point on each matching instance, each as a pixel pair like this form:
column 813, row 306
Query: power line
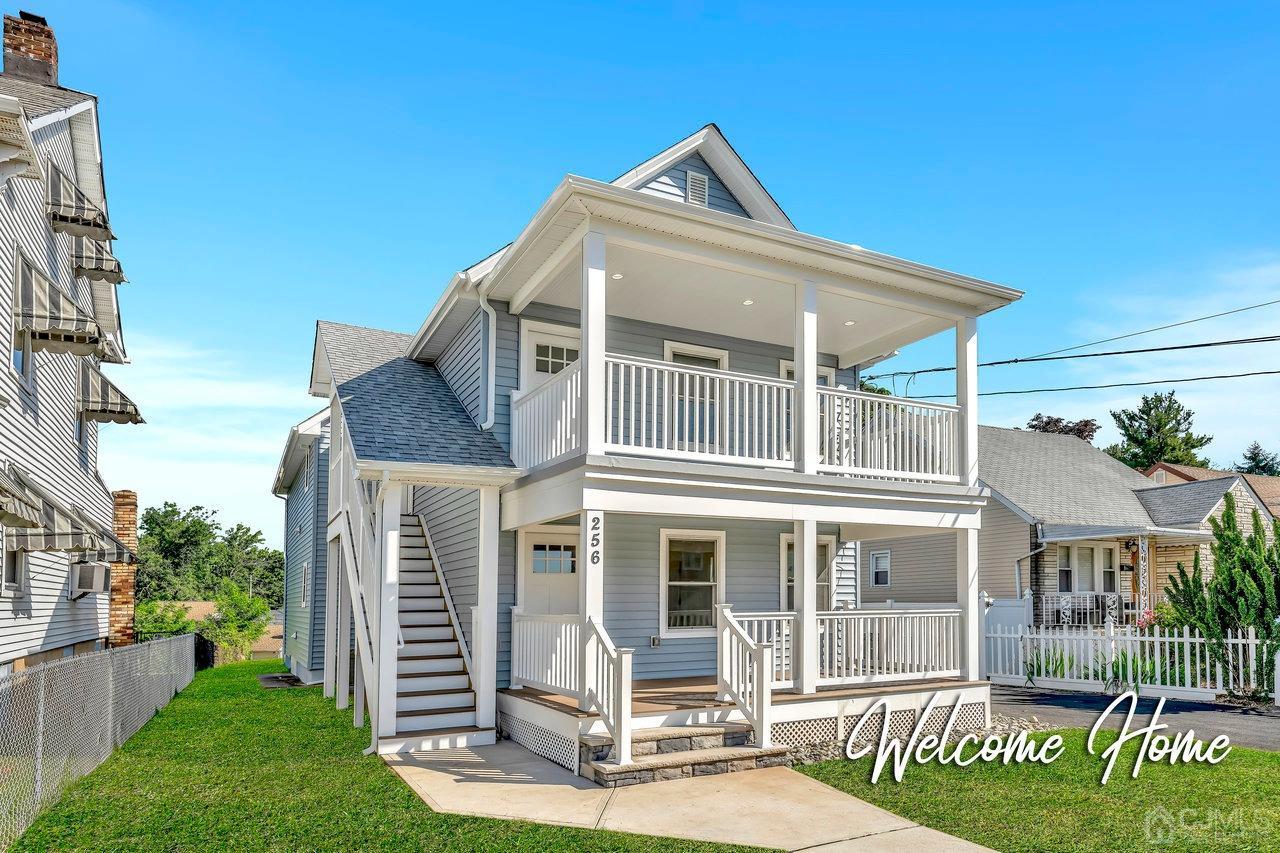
column 1162, row 328
column 1109, row 385
column 1036, row 358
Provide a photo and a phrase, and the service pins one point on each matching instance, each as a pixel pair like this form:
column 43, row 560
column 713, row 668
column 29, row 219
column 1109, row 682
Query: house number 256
column 595, row 534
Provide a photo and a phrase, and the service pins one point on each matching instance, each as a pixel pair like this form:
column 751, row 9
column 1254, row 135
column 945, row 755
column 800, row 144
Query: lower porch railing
column 544, row 651
column 745, row 673
column 857, row 647
column 608, row 691
column 1086, row 608
column 774, row 629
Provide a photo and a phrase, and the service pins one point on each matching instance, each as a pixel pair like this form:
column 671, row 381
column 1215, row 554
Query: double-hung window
column 880, row 575
column 697, row 395
column 1110, row 577
column 692, row 566
column 1066, row 573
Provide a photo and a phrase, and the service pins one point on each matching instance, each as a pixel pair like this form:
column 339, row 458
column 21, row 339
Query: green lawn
column 228, row 765
column 1235, row 805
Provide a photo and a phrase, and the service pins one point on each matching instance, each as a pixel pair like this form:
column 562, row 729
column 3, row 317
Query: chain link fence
column 63, row 718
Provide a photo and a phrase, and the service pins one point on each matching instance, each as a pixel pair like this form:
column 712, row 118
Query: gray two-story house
column 615, row 483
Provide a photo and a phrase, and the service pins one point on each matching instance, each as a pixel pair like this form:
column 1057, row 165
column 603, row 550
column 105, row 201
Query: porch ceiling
column 674, row 292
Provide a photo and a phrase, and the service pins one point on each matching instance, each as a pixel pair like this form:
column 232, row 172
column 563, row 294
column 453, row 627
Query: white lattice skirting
column 972, row 717
column 550, row 745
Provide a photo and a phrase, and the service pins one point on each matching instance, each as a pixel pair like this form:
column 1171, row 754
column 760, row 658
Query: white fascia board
column 62, row 114
column 430, row 474
column 300, row 438
column 711, row 144
column 463, row 280
column 1125, row 532
column 322, row 383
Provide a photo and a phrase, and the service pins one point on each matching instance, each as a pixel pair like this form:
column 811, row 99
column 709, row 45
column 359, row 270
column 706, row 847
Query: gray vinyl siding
column 629, row 337
column 671, row 184
column 453, row 522
column 306, row 505
column 37, row 431
column 632, row 605
column 923, row 568
column 462, row 366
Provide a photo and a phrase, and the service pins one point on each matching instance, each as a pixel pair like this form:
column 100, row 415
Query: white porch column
column 389, row 609
column 590, row 592
column 593, row 343
column 967, row 596
column 804, row 643
column 967, row 398
column 804, row 430
column 484, row 618
column 342, row 647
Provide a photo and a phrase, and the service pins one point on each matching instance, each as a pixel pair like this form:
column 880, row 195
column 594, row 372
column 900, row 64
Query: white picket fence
column 1178, row 663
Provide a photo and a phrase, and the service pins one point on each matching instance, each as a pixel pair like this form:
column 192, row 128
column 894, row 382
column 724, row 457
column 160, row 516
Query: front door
column 551, row 573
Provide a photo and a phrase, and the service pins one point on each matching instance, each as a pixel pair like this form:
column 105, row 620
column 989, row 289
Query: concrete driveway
column 1255, row 727
column 774, row 807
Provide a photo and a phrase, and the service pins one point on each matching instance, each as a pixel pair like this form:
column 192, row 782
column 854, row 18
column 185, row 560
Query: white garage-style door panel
column 550, row 573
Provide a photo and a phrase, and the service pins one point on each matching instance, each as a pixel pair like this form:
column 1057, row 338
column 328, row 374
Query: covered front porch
column 626, row 621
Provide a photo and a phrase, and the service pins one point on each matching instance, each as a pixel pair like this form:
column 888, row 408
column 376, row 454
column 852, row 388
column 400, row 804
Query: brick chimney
column 125, row 527
column 30, row 49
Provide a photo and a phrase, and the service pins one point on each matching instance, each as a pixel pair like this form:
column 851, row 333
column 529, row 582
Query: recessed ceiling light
column 616, row 276
column 748, row 302
column 850, row 322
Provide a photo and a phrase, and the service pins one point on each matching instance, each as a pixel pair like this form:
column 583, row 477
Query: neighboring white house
column 58, row 290
column 616, row 480
column 1082, row 536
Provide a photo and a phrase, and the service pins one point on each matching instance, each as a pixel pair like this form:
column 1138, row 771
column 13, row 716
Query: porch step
column 434, row 700
column 423, row 591
column 423, row 617
column 449, row 680
column 666, row 739
column 410, row 577
column 679, row 765
column 427, row 632
column 435, row 719
column 429, row 739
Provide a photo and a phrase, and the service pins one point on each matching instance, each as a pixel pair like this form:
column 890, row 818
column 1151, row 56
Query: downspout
column 491, row 357
column 1017, row 564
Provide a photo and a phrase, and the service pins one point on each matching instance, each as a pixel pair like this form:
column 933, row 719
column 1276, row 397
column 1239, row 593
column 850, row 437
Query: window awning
column 93, row 260
column 55, row 321
column 18, row 508
column 62, row 527
column 100, row 400
column 71, row 211
column 113, row 551
column 17, row 155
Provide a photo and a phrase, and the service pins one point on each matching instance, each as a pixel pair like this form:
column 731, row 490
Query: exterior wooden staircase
column 435, row 697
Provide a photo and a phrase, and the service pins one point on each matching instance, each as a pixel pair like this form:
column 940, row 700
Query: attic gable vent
column 696, row 188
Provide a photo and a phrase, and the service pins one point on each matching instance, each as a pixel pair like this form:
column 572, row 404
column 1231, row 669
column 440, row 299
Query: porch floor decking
column 661, row 695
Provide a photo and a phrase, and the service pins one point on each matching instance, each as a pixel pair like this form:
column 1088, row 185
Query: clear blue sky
column 271, row 164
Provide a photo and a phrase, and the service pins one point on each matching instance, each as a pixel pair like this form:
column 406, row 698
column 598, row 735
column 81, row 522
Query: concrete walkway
column 775, row 807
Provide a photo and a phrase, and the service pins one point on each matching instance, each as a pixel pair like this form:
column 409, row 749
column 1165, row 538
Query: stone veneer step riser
column 686, row 771
column 603, row 752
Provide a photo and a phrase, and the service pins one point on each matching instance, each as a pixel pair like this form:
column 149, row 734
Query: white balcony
column 672, row 411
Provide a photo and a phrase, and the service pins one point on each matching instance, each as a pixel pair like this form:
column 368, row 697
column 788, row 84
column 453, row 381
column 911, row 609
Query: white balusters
column 879, row 435
column 544, row 651
column 609, row 694
column 745, row 673
column 545, row 423
column 861, row 647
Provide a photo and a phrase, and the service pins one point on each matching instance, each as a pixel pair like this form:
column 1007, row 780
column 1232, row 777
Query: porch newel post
column 590, row 594
column 967, row 596
column 389, row 614
column 804, row 431
column 805, row 642
column 484, row 628
column 593, row 343
column 967, row 399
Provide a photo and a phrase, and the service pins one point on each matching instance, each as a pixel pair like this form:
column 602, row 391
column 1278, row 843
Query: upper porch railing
column 674, row 411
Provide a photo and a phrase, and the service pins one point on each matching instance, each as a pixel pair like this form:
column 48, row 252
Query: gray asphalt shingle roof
column 38, row 99
column 1060, row 479
column 398, row 409
column 1183, row 504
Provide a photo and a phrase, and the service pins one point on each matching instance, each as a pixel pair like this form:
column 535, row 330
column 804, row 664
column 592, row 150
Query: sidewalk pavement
column 774, row 807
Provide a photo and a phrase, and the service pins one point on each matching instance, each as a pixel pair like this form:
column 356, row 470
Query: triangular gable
column 733, row 188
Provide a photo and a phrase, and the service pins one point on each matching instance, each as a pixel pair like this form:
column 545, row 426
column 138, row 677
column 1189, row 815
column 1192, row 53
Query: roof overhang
column 454, row 307
column 1166, row 535
column 301, row 437
column 429, row 474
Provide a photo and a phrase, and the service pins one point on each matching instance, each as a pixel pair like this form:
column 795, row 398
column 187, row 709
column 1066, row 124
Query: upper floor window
column 15, row 572
column 826, row 375
column 545, row 350
column 22, row 358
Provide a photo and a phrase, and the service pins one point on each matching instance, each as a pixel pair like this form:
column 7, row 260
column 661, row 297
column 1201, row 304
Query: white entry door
column 551, row 573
